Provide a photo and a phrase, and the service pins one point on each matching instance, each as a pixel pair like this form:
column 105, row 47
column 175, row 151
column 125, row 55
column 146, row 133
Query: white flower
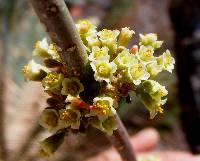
column 154, row 68
column 99, row 54
column 125, row 36
column 84, row 26
column 70, row 117
column 137, row 72
column 150, row 40
column 72, row 86
column 49, row 119
column 125, row 59
column 103, row 108
column 92, row 39
column 167, row 61
column 108, row 37
column 151, row 94
column 41, row 49
column 103, row 70
column 34, row 72
column 54, row 53
column 53, row 82
column 145, row 54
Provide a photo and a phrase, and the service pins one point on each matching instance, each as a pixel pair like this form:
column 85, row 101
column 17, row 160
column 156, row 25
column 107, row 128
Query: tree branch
column 58, row 23
column 120, row 139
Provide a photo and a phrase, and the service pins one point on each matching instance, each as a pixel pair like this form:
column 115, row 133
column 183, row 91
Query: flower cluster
column 118, row 71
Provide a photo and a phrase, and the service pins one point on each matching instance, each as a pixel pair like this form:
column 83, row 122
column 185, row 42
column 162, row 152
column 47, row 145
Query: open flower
column 145, row 54
column 49, row 119
column 52, row 82
column 92, row 39
column 167, row 61
column 103, row 70
column 150, row 40
column 72, row 86
column 103, row 108
column 41, row 49
column 137, row 72
column 151, row 94
column 108, row 37
column 154, row 68
column 70, row 117
column 125, row 36
column 34, row 72
column 99, row 54
column 125, row 59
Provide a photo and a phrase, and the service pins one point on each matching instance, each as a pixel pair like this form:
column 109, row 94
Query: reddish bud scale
column 80, row 104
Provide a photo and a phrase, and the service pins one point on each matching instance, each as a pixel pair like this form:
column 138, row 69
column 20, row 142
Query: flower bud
column 49, row 145
column 125, row 36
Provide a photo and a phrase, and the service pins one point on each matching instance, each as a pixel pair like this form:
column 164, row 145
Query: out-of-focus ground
column 24, row 101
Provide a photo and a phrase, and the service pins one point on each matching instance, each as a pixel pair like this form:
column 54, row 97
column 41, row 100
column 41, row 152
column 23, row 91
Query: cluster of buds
column 118, row 71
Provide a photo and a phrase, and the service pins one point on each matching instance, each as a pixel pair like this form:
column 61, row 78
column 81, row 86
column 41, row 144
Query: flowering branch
column 87, row 94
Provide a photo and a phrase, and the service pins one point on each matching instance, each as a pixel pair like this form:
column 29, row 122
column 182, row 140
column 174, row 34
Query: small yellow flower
column 84, row 26
column 103, row 70
column 34, row 72
column 125, row 59
column 154, row 68
column 145, row 54
column 52, row 82
column 92, row 39
column 41, row 49
column 103, row 108
column 70, row 117
column 108, row 37
column 137, row 72
column 72, row 86
column 54, row 53
column 99, row 54
column 167, row 61
column 49, row 119
column 151, row 94
column 150, row 40
column 125, row 36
